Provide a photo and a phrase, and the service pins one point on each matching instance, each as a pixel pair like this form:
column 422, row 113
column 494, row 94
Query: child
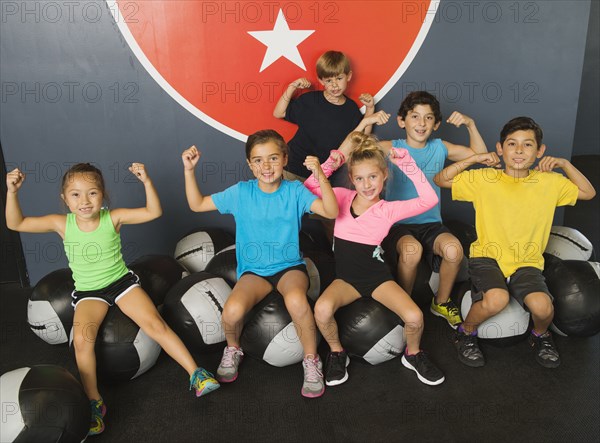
column 267, row 212
column 514, row 210
column 362, row 224
column 101, row 277
column 324, row 118
column 420, row 115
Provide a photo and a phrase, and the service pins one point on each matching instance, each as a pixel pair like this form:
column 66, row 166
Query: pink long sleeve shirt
column 372, row 226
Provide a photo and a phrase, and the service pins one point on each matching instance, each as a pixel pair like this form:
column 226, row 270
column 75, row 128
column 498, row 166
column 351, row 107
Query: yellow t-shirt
column 513, row 217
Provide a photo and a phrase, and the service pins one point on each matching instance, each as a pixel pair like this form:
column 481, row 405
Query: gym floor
column 512, row 398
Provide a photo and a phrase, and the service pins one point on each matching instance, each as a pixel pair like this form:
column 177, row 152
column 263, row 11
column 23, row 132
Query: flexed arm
column 445, row 177
column 329, row 166
column 427, row 197
column 14, row 216
column 476, row 143
column 586, row 189
column 195, row 199
column 134, row 216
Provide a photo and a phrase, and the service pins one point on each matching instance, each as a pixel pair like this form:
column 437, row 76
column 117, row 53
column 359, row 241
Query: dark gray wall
column 490, row 60
column 587, row 129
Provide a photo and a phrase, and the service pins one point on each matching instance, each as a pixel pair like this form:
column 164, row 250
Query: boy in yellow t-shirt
column 514, row 210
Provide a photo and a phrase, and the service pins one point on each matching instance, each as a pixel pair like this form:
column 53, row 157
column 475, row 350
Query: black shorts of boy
column 425, row 233
column 357, row 265
column 274, row 279
column 486, row 274
column 111, row 293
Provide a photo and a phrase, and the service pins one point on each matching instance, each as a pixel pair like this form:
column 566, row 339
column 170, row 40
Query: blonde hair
column 365, row 147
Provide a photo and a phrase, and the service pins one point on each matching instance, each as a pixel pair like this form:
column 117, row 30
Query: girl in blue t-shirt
column 268, row 212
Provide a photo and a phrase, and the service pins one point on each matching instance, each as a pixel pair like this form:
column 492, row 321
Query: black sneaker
column 426, row 371
column 545, row 351
column 468, row 350
column 335, row 368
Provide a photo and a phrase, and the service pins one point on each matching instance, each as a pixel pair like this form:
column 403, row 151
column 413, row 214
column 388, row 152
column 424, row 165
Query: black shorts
column 425, row 233
column 361, row 266
column 486, row 274
column 274, row 279
column 110, row 294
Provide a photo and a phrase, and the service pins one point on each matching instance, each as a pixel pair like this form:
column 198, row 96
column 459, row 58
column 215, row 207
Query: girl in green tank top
column 92, row 244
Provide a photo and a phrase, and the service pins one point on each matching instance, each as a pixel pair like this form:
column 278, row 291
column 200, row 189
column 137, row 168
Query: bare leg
column 248, row 291
column 293, row 286
column 138, row 307
column 493, row 302
column 88, row 317
column 397, row 300
column 338, row 294
column 542, row 311
column 409, row 252
column 448, row 247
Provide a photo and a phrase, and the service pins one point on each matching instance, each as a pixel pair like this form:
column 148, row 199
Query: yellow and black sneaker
column 98, row 413
column 449, row 311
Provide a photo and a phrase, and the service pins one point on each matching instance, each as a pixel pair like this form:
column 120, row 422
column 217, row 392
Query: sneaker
column 228, row 368
column 203, row 382
column 468, row 350
column 335, row 368
column 448, row 311
column 426, row 371
column 545, row 350
column 313, row 385
column 98, row 413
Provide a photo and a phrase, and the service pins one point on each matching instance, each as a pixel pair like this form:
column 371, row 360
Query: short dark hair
column 265, row 136
column 420, row 98
column 522, row 124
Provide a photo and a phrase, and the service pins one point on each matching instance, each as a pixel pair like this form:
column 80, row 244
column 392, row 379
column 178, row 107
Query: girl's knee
column 296, row 304
column 323, row 311
column 155, row 326
column 413, row 319
column 233, row 312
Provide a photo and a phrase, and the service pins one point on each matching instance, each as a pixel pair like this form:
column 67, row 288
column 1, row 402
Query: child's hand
column 379, row 118
column 367, row 100
column 457, row 119
column 190, row 157
column 399, row 153
column 313, row 164
column 337, row 158
column 14, row 180
column 139, row 170
column 488, row 159
column 301, row 83
column 547, row 164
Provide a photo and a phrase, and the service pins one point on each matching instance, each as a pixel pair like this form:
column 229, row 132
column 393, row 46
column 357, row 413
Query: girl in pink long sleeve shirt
column 363, row 222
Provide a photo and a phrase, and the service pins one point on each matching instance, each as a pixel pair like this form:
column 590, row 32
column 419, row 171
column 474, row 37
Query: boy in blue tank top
column 420, row 115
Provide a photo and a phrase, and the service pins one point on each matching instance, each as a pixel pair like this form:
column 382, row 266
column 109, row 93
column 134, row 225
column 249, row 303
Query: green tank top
column 94, row 257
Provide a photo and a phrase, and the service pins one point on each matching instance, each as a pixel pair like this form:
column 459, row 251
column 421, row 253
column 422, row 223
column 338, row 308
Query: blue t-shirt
column 267, row 225
column 430, row 160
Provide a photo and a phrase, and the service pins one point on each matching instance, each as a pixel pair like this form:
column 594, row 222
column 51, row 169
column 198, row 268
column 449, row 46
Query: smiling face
column 519, row 151
column 335, row 86
column 368, row 179
column 419, row 124
column 266, row 160
column 83, row 195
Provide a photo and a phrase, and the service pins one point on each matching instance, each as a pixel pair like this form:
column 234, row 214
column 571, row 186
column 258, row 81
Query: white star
column 281, row 42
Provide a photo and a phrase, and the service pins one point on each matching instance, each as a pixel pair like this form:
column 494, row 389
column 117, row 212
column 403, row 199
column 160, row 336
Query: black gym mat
column 511, row 399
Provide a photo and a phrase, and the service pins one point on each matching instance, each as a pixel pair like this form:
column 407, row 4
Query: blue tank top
column 430, row 159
